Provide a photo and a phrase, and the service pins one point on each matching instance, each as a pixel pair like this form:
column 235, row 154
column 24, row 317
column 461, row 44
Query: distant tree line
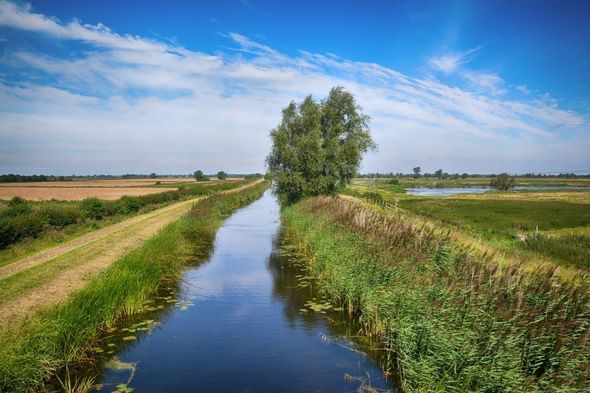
column 444, row 175
column 15, row 178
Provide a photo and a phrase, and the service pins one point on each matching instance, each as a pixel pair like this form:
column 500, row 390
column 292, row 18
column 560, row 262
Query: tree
column 416, row 172
column 153, row 175
column 318, row 146
column 464, row 176
column 439, row 173
column 503, row 182
column 198, row 175
column 221, row 175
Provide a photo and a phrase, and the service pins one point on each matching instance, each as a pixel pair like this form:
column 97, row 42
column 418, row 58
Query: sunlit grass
column 452, row 319
column 35, row 349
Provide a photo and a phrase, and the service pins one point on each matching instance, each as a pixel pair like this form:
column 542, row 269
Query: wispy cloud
column 451, row 62
column 523, row 89
column 140, row 103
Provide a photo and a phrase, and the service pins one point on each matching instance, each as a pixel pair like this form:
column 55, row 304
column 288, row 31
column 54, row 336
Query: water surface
column 445, row 191
column 241, row 322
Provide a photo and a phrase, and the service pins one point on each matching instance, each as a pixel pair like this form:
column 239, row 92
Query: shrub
column 17, row 201
column 373, row 197
column 503, row 182
column 16, row 206
column 6, row 232
column 93, row 208
column 61, row 216
column 28, row 225
column 127, row 205
column 395, row 182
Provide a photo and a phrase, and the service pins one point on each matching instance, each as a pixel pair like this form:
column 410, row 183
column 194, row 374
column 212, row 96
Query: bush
column 29, row 225
column 503, row 182
column 373, row 197
column 61, row 216
column 16, row 206
column 395, row 182
column 127, row 205
column 6, row 232
column 93, row 208
column 17, row 201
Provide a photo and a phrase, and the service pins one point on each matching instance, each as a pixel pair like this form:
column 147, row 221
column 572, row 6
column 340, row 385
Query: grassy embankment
column 27, row 226
column 65, row 334
column 450, row 319
column 505, row 221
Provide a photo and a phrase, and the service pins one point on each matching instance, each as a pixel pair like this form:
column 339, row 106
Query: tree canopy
column 221, row 175
column 503, row 182
column 199, row 176
column 318, row 146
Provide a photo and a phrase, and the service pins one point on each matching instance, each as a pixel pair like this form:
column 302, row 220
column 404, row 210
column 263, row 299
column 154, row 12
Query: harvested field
column 101, row 183
column 77, row 193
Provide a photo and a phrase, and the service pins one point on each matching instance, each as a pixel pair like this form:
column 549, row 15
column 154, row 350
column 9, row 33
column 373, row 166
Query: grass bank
column 450, row 319
column 28, row 226
column 34, row 350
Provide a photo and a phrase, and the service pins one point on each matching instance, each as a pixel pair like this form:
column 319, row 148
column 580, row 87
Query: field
column 102, row 183
column 477, row 181
column 28, row 226
column 531, row 227
column 103, row 189
column 91, row 287
column 77, row 193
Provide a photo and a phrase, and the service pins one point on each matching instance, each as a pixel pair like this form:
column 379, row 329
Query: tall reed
column 451, row 319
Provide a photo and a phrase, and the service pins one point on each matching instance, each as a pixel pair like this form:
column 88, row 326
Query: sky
column 116, row 87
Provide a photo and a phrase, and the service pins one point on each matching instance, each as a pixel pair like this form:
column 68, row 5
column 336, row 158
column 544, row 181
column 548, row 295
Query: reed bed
column 450, row 319
column 64, row 335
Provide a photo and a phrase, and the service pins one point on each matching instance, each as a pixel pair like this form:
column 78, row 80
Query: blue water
column 245, row 331
column 426, row 191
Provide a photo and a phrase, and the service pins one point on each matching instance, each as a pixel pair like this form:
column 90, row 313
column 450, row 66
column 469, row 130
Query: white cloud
column 447, row 64
column 135, row 105
column 484, row 81
column 523, row 89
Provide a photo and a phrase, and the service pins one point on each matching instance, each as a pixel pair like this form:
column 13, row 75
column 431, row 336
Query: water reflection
column 245, row 331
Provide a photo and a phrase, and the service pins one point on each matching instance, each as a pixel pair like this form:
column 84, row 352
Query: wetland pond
column 244, row 320
column 446, row 191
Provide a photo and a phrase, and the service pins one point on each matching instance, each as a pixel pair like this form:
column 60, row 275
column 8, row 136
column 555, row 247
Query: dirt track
column 84, row 257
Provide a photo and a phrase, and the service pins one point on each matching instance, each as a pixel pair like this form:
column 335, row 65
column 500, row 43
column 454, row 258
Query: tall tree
column 416, row 172
column 318, row 146
column 199, row 176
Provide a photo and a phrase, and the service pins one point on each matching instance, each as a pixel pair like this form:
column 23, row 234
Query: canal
column 247, row 319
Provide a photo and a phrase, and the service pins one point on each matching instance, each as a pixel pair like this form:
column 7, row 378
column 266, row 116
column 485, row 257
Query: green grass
column 450, row 320
column 570, row 249
column 43, row 224
column 34, row 350
column 505, row 217
column 477, row 182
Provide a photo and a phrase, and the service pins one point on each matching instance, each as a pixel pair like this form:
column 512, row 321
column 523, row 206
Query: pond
column 427, row 191
column 244, row 320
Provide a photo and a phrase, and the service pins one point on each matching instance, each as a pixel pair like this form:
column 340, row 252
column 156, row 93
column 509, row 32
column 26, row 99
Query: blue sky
column 135, row 86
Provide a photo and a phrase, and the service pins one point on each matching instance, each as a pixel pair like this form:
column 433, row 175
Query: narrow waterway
column 245, row 320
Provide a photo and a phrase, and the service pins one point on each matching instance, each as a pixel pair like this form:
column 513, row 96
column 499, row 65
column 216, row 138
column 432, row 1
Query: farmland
column 102, row 189
column 133, row 273
column 29, row 226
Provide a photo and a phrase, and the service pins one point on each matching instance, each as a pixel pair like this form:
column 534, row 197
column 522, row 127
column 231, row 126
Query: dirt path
column 81, row 259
